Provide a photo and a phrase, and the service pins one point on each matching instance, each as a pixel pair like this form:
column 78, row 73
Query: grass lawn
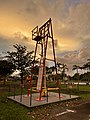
column 10, row 110
column 82, row 90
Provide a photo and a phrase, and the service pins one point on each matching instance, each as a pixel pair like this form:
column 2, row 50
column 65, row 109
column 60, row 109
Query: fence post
column 31, row 96
column 21, row 93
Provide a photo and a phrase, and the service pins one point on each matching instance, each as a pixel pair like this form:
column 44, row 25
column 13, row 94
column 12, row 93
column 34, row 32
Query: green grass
column 82, row 90
column 12, row 111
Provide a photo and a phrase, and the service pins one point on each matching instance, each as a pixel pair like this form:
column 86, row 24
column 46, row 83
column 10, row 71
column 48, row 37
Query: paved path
column 81, row 112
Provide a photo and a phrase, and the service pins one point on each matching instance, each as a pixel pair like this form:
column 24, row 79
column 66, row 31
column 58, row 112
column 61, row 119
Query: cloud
column 24, row 40
column 19, row 35
column 18, row 38
column 78, row 57
column 85, row 42
column 77, row 23
column 84, row 54
column 4, row 44
column 75, row 57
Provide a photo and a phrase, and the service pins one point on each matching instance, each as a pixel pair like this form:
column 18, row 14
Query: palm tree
column 76, row 67
column 87, row 65
column 59, row 66
column 62, row 68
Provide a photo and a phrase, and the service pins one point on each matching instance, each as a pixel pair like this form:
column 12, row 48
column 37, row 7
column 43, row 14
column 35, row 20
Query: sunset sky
column 71, row 26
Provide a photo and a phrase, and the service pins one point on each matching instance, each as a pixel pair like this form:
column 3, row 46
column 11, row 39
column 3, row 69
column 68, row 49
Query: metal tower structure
column 42, row 35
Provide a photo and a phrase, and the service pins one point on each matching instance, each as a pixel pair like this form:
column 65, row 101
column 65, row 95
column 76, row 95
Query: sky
column 71, row 26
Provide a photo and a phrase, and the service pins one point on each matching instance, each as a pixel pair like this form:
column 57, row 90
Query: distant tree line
column 86, row 75
column 22, row 60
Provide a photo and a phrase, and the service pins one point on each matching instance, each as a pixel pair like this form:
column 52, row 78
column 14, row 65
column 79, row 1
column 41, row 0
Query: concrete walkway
column 33, row 101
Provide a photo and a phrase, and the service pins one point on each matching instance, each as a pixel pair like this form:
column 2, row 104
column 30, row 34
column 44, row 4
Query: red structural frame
column 41, row 36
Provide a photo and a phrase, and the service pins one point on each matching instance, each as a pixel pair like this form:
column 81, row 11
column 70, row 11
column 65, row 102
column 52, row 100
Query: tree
column 87, row 65
column 85, row 76
column 76, row 67
column 52, row 69
column 21, row 58
column 6, row 68
column 76, row 76
column 36, row 70
column 49, row 71
column 62, row 68
column 59, row 66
